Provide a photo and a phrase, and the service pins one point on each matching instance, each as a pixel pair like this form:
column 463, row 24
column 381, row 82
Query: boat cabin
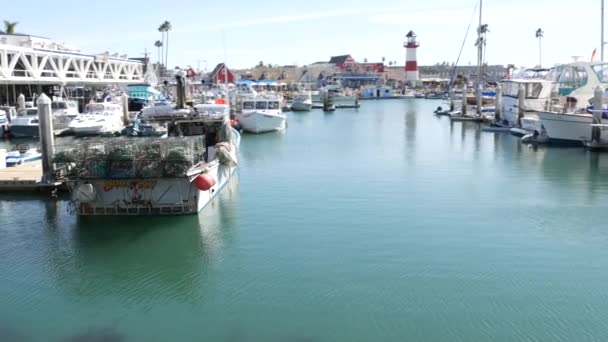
column 64, row 107
column 261, row 104
column 143, row 92
column 105, row 108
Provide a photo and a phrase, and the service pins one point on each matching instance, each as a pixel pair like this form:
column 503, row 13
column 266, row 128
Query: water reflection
column 140, row 260
column 410, row 123
column 257, row 147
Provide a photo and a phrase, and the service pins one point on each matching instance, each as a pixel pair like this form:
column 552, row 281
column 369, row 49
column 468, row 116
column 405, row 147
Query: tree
column 260, row 64
column 165, row 27
column 159, row 45
column 9, row 27
column 364, row 60
column 383, row 59
column 161, row 29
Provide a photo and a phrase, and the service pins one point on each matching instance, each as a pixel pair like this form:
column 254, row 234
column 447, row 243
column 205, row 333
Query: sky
column 243, row 33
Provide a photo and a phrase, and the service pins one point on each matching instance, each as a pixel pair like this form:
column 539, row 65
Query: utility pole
column 145, row 60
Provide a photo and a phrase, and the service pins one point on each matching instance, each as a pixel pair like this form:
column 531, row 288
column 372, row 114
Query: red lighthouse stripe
column 411, row 66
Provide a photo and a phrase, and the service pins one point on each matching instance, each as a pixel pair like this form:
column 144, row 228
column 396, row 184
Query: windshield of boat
column 273, row 105
column 248, row 105
column 94, row 108
column 260, row 105
column 567, row 78
column 28, row 112
column 601, row 70
column 59, row 105
column 533, row 89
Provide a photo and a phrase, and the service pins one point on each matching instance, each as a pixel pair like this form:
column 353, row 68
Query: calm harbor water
column 383, row 223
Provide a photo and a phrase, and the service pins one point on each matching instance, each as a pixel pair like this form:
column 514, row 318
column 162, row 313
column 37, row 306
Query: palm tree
column 159, row 45
column 166, row 26
column 9, row 27
column 161, row 29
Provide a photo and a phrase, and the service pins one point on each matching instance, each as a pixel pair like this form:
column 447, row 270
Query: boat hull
column 24, row 131
column 566, row 128
column 141, row 197
column 301, row 106
column 260, row 122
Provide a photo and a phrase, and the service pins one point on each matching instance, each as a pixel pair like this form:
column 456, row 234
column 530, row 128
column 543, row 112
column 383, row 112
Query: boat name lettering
column 124, row 184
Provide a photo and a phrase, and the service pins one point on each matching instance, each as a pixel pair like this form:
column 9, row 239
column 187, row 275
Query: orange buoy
column 204, row 182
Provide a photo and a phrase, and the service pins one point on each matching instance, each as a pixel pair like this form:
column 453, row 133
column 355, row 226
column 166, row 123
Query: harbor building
column 31, row 65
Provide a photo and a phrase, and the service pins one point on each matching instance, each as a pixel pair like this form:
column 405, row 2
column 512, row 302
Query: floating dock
column 26, row 177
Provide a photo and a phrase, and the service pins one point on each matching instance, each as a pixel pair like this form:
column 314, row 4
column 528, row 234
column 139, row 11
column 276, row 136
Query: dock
column 25, row 177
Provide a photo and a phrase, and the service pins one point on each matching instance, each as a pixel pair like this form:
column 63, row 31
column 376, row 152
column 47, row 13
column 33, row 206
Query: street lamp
column 539, row 34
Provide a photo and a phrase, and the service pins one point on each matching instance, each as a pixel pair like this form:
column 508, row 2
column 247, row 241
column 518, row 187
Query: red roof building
column 221, row 74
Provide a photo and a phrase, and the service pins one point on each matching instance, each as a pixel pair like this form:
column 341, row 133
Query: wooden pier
column 25, row 177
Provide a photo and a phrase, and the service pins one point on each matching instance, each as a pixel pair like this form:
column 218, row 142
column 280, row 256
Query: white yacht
column 99, row 119
column 64, row 111
column 302, row 102
column 568, row 121
column 25, row 124
column 537, row 93
column 262, row 113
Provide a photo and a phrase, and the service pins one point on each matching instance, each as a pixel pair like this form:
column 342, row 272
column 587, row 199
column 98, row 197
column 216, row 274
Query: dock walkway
column 26, row 177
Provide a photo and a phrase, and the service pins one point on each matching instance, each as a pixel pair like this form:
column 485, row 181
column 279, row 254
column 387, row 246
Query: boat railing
column 188, row 207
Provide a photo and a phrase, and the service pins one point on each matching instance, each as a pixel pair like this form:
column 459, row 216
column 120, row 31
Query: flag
column 594, row 54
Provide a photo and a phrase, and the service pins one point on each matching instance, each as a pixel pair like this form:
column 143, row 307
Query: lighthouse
column 411, row 65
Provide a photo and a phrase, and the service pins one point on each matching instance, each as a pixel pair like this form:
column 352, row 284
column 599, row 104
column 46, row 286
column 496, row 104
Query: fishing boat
column 566, row 119
column 262, row 113
column 176, row 175
column 101, row 118
column 302, row 102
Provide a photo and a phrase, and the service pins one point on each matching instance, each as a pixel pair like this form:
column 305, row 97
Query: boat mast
column 602, row 46
column 479, row 47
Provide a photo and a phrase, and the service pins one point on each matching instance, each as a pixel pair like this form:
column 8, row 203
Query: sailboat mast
column 479, row 46
column 603, row 43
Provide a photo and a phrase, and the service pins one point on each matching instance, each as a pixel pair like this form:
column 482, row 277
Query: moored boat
column 262, row 113
column 101, row 118
column 302, row 102
column 176, row 175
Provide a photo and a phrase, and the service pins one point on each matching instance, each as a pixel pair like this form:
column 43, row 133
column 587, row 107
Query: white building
column 27, row 59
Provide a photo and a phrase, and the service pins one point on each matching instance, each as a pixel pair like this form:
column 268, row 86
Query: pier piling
column 21, row 101
column 479, row 99
column 521, row 97
column 181, row 89
column 124, row 100
column 596, row 132
column 47, row 142
column 498, row 103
